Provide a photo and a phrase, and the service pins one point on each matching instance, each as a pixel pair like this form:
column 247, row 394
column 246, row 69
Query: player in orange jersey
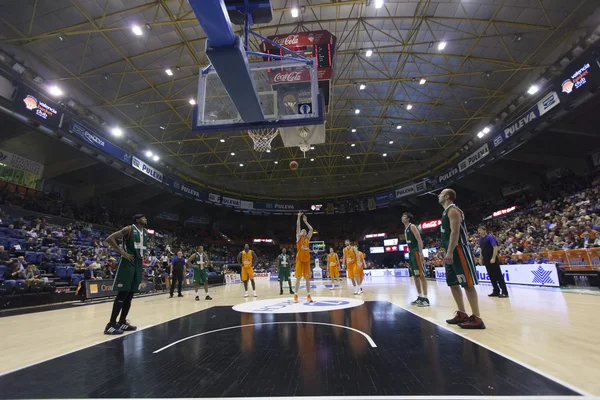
column 359, row 271
column 303, row 256
column 350, row 260
column 333, row 263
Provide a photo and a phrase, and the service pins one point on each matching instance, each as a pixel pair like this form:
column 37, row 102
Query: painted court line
column 544, row 374
column 369, row 339
column 103, row 341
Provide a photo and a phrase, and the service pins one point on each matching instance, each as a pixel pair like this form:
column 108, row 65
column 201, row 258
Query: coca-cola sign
column 288, row 40
column 301, row 39
column 290, row 76
column 431, row 224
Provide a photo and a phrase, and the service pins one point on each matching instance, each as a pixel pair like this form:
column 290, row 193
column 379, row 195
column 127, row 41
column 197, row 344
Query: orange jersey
column 246, row 259
column 350, row 256
column 332, row 260
column 303, row 252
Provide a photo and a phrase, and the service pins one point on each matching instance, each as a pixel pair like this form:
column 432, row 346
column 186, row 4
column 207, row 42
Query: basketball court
column 538, row 343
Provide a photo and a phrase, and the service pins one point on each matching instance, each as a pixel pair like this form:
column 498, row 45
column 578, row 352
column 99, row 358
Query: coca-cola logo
column 431, row 224
column 287, row 40
column 293, row 76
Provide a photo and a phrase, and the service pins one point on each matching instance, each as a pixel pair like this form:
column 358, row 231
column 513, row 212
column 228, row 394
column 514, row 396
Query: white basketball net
column 262, row 138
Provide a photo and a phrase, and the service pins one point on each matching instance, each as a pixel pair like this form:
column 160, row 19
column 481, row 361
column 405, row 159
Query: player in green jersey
column 284, row 263
column 129, row 273
column 417, row 264
column 460, row 266
column 200, row 261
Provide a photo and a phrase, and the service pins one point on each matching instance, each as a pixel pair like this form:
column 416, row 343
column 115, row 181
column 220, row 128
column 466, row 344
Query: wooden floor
column 551, row 331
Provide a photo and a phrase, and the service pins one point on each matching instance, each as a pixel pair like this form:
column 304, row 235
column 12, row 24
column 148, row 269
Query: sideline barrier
column 523, row 274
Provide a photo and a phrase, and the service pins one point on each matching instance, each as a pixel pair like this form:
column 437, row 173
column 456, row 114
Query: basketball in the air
column 293, row 165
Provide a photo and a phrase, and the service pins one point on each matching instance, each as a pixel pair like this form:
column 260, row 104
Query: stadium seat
column 20, row 287
column 7, row 287
column 31, row 256
column 61, row 271
column 76, row 278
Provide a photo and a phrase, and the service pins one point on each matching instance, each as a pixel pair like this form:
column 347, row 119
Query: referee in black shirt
column 489, row 258
column 177, row 273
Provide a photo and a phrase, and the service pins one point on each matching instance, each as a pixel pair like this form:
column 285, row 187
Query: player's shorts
column 303, row 269
column 359, row 271
column 350, row 270
column 334, row 271
column 247, row 273
column 129, row 276
column 200, row 276
column 284, row 274
column 462, row 271
column 416, row 264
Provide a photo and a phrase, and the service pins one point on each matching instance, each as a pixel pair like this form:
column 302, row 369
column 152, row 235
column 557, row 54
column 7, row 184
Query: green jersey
column 283, row 261
column 463, row 239
column 200, row 260
column 135, row 243
column 411, row 239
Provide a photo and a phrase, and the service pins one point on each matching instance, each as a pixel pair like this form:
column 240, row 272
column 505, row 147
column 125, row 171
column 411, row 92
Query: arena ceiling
column 495, row 49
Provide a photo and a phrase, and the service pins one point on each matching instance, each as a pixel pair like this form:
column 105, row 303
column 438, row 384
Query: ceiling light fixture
column 347, row 157
column 156, row 158
column 295, row 13
column 276, row 162
column 384, row 154
column 378, row 3
column 362, row 86
column 169, row 72
column 357, row 111
column 241, row 165
column 486, row 130
column 533, row 89
column 137, row 31
column 441, row 45
column 149, row 153
column 233, row 154
column 480, row 135
column 116, row 131
column 353, row 130
column 162, row 127
column 312, row 147
column 391, row 142
column 399, row 127
column 222, row 140
column 352, row 145
column 422, row 81
column 369, row 53
column 312, row 159
column 55, row 91
column 409, row 106
column 192, row 101
column 268, row 151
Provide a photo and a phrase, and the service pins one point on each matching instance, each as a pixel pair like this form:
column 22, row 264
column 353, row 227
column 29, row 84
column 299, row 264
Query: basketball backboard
column 287, row 90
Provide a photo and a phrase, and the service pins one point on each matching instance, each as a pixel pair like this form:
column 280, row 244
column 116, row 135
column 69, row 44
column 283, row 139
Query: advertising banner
column 388, row 272
column 38, row 107
column 275, row 206
column 198, row 220
column 514, row 127
column 474, row 158
column 185, row 189
column 168, row 216
column 581, row 75
column 233, row 278
column 524, row 274
column 384, row 198
column 103, row 288
column 141, row 166
column 246, row 205
column 99, row 142
column 446, row 175
column 21, row 163
column 215, row 198
column 228, row 201
column 410, row 189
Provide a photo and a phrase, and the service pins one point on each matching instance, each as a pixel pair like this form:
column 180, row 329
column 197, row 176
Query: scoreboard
column 317, row 45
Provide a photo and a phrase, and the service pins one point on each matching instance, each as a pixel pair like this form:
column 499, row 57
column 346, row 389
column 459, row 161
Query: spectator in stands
column 47, row 257
column 13, row 272
column 30, row 274
column 58, row 256
column 48, row 241
column 29, row 245
column 90, row 273
column 96, row 264
column 4, row 257
column 69, row 258
column 80, row 265
column 22, row 263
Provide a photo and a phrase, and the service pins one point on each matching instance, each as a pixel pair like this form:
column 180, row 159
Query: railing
column 568, row 260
